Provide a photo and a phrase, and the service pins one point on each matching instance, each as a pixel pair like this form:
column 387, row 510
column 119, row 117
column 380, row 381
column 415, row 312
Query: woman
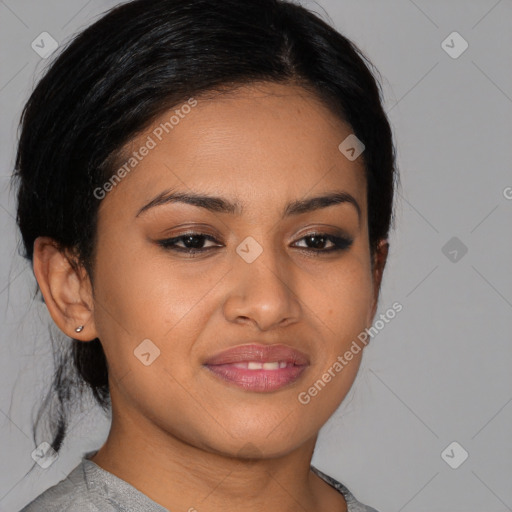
column 205, row 192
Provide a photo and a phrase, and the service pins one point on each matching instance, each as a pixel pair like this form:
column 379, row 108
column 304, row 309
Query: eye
column 193, row 243
column 319, row 240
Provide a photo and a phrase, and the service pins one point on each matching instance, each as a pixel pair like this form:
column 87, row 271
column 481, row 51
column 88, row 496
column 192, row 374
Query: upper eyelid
column 210, row 236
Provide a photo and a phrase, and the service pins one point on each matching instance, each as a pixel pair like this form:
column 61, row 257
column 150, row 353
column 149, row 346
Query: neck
column 180, row 476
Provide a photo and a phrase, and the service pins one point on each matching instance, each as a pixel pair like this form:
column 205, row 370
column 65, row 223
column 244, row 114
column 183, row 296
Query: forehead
column 258, row 140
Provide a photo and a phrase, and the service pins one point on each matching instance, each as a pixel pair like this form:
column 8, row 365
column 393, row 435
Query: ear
column 66, row 289
column 378, row 264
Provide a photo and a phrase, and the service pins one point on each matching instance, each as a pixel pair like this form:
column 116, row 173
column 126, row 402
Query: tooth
column 282, row 364
column 253, row 365
column 271, row 366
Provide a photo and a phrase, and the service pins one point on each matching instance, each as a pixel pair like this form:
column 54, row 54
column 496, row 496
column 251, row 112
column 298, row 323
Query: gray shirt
column 90, row 488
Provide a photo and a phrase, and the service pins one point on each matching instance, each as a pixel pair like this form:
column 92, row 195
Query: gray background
column 440, row 371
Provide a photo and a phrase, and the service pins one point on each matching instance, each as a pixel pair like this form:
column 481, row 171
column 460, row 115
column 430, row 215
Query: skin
column 180, row 434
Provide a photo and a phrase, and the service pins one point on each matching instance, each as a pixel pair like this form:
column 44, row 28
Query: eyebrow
column 221, row 205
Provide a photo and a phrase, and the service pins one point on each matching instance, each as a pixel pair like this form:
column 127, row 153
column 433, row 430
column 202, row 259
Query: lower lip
column 262, row 381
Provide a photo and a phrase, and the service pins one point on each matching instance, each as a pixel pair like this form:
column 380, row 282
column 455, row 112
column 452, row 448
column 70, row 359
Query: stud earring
column 79, row 328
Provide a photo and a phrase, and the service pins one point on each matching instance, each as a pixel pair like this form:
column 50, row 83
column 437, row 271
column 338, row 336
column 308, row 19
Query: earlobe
column 66, row 289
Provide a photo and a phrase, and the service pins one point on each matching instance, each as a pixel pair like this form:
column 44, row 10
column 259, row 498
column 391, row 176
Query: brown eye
column 316, row 242
column 193, row 243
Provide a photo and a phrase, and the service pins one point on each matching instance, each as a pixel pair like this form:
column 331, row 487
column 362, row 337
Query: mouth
column 258, row 368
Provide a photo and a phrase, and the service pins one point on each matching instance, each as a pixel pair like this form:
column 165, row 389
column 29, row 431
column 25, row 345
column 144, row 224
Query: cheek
column 351, row 295
column 162, row 299
column 140, row 298
column 174, row 304
column 146, row 296
column 341, row 308
column 346, row 302
column 343, row 299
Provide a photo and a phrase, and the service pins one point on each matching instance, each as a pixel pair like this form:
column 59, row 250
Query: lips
column 260, row 354
column 258, row 368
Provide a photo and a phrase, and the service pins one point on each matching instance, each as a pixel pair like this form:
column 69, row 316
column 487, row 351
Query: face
column 177, row 283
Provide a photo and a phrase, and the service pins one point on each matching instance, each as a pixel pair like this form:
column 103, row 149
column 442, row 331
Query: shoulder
column 72, row 494
column 353, row 505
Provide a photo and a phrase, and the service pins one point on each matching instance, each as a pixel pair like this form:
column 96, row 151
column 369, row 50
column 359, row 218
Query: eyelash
column 340, row 243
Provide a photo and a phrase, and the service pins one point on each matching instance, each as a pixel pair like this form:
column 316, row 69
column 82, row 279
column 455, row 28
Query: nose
column 263, row 292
